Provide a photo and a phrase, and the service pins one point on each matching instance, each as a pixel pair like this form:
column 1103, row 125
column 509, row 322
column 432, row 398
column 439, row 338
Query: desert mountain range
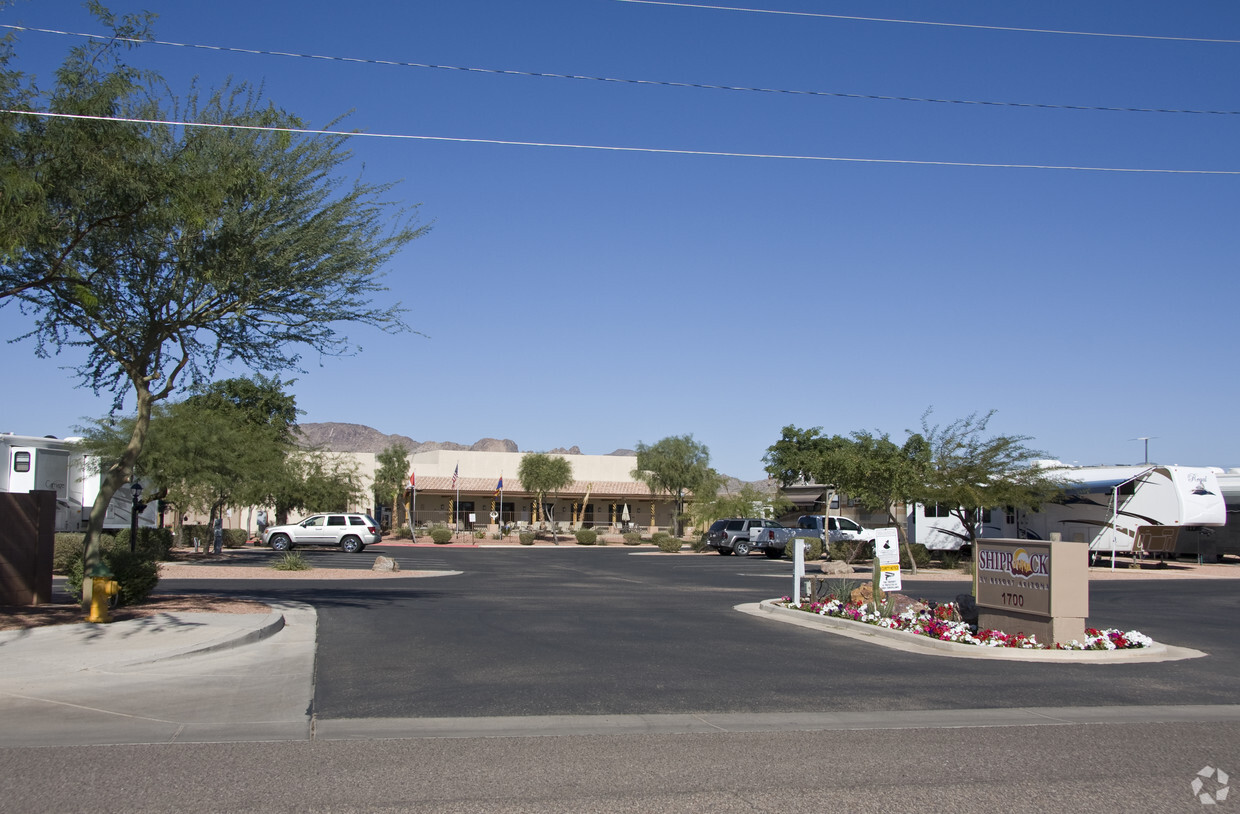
column 340, row 437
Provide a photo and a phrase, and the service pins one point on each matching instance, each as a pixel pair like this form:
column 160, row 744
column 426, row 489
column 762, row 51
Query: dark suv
column 732, row 535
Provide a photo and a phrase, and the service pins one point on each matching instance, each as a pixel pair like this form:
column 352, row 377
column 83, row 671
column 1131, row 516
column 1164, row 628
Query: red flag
column 413, row 484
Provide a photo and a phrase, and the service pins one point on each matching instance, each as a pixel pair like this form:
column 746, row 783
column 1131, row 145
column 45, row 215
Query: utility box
column 1039, row 588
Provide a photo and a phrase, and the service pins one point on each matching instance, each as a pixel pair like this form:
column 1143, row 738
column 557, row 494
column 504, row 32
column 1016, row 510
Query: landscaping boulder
column 836, row 567
column 385, row 564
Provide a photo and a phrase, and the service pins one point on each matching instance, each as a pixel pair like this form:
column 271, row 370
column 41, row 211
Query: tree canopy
column 163, row 251
column 676, row 465
column 544, row 474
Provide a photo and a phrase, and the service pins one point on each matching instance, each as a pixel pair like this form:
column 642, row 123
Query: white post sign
column 798, row 568
column 887, row 552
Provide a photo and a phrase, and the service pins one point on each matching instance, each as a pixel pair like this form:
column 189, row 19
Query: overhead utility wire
column 698, row 85
column 933, row 23
column 612, row 148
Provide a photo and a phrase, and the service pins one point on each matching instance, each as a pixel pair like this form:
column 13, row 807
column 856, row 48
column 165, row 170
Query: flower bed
column 942, row 622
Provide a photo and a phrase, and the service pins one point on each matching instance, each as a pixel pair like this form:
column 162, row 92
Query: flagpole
column 456, row 477
column 501, row 504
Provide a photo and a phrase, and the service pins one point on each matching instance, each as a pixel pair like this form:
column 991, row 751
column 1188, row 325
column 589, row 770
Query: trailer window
column 21, row 461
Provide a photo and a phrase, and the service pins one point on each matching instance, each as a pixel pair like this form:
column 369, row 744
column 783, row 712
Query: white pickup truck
column 838, row 528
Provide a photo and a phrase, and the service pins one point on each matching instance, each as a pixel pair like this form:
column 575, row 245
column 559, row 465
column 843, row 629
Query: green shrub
column 205, row 534
column 441, row 535
column 921, row 555
column 69, row 546
column 526, row 538
column 698, row 543
column 480, row 534
column 154, row 542
column 135, row 572
column 812, row 552
column 291, row 561
column 404, row 533
column 632, row 538
column 587, row 536
column 666, row 542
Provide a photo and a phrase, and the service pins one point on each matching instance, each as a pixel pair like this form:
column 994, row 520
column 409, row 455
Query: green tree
column 677, row 465
column 217, row 448
column 970, row 470
column 743, row 501
column 542, row 474
column 161, row 251
column 391, row 476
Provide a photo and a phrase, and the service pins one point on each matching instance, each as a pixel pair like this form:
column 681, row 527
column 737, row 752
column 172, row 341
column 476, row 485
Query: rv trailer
column 58, row 465
column 1112, row 508
column 1208, row 543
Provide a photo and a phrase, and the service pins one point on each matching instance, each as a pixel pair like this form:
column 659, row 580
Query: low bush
column 812, row 552
column 526, row 538
column 404, row 533
column 154, row 542
column 632, row 538
column 68, row 548
column 666, row 542
column 135, row 572
column 921, row 555
column 292, row 561
column 587, row 536
column 698, row 543
column 441, row 535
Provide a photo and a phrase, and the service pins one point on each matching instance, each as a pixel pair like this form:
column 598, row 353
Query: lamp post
column 138, row 506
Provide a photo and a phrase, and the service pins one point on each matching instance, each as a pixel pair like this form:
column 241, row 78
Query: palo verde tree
column 544, row 474
column 868, row 467
column 391, row 476
column 677, row 465
column 225, row 445
column 971, row 470
column 163, row 250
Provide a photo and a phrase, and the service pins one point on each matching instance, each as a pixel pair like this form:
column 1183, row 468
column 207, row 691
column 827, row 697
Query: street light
column 138, row 506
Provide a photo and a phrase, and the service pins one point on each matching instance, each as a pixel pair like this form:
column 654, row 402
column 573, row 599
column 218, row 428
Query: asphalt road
column 575, row 631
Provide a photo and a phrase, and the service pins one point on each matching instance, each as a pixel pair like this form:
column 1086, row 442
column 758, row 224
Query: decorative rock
column 900, row 603
column 385, row 564
column 836, row 567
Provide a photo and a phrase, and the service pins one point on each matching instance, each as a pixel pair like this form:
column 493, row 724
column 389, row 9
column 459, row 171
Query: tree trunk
column 116, row 475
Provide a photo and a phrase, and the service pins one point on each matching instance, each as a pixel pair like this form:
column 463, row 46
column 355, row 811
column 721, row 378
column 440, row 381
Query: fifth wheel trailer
column 1112, row 508
column 58, row 465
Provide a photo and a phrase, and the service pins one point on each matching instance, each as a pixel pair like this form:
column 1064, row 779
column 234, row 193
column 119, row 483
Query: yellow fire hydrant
column 102, row 590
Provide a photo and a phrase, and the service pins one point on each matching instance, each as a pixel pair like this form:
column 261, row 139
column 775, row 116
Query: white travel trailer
column 34, row 462
column 1112, row 508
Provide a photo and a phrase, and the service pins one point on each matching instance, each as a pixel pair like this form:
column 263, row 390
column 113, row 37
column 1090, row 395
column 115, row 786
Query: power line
column 614, row 148
column 934, row 23
column 621, row 80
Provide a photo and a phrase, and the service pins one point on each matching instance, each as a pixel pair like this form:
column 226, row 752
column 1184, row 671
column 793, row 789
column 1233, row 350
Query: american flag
column 454, row 474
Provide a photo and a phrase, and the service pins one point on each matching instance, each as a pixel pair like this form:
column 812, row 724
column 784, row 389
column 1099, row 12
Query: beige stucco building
column 464, row 486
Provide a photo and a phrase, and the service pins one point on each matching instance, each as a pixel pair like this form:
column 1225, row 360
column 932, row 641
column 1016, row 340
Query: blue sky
column 601, row 298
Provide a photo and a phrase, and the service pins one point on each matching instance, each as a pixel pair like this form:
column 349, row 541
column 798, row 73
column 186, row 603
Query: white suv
column 352, row 532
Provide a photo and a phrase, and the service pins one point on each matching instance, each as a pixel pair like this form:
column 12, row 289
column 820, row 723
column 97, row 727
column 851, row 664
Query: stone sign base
column 1047, row 629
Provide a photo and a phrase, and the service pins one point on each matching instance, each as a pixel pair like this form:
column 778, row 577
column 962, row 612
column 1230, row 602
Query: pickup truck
column 838, row 528
column 740, row 535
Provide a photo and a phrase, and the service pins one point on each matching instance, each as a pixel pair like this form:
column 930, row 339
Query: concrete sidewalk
column 183, row 677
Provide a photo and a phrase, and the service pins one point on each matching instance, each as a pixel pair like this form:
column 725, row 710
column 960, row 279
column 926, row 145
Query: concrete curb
column 272, row 624
column 912, row 643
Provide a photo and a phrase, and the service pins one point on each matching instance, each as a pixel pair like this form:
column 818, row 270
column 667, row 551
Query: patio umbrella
column 624, row 515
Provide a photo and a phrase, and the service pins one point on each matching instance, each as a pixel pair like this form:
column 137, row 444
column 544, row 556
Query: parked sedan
column 352, row 532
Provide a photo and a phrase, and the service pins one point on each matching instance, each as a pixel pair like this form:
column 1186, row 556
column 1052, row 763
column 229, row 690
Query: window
column 315, row 522
column 1009, row 515
column 336, row 520
column 21, row 461
column 356, row 521
column 848, row 525
column 937, row 510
